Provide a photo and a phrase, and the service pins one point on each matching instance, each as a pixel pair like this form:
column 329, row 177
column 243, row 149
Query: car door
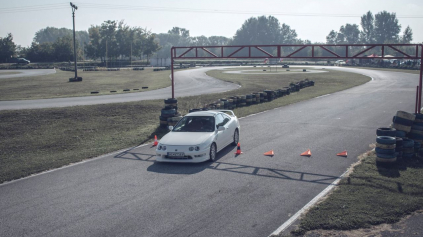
column 220, row 137
column 230, row 128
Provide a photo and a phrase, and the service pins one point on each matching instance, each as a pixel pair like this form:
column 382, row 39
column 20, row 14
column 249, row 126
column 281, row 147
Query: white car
column 198, row 136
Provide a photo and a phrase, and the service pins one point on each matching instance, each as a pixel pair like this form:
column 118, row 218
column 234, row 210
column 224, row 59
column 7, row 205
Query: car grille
column 179, row 158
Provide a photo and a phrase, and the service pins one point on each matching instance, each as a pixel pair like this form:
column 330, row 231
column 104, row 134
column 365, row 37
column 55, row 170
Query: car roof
column 203, row 113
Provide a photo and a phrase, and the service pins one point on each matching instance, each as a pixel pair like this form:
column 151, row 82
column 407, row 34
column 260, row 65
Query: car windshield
column 195, row 124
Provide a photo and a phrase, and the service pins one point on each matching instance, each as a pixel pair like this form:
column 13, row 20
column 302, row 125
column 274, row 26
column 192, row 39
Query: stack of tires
column 242, row 101
column 398, row 147
column 407, row 148
column 248, row 99
column 270, row 95
column 403, row 121
column 169, row 114
column 262, row 95
column 385, row 148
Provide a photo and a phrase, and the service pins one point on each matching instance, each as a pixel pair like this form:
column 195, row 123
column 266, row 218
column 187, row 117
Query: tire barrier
column 385, row 148
column 403, row 121
column 126, row 89
column 94, row 92
column 138, row 68
column 144, row 87
column 169, row 114
column 250, row 99
column 390, row 132
column 407, row 148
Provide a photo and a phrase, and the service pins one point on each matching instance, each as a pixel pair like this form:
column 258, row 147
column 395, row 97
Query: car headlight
column 164, row 148
column 197, row 148
column 159, row 147
column 191, row 148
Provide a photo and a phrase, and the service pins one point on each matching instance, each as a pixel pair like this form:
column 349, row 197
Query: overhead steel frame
column 234, row 49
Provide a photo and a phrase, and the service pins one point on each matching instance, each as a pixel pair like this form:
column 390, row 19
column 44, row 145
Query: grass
column 8, row 73
column 58, row 85
column 37, row 140
column 390, row 69
column 372, row 194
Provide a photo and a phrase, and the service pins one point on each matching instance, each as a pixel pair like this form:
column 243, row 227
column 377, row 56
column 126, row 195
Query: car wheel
column 213, row 152
column 236, row 137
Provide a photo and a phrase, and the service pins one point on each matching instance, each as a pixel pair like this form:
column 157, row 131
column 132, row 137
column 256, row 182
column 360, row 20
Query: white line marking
column 321, row 96
column 74, row 164
column 293, row 218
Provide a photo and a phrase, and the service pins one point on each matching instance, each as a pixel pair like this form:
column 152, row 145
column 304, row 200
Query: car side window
column 219, row 120
column 226, row 119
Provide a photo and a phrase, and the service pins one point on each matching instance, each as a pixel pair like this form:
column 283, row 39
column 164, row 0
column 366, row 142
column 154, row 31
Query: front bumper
column 190, row 156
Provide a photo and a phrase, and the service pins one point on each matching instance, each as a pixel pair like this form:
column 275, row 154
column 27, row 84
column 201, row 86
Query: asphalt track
column 127, row 194
column 187, row 83
column 27, row 73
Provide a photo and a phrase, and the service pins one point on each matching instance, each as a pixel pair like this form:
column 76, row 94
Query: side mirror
column 221, row 128
column 170, row 128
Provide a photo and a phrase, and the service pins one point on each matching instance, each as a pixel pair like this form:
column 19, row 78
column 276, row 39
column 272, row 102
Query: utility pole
column 130, row 59
column 74, row 8
column 106, row 53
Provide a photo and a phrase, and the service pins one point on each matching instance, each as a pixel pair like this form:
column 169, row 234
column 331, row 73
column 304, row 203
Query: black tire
column 236, row 137
column 400, row 133
column 402, row 121
column 415, row 136
column 416, row 127
column 384, row 151
column 171, row 101
column 419, row 116
column 407, row 143
column 386, row 156
column 385, row 146
column 398, row 141
column 406, row 115
column 212, row 153
column 168, row 112
column 390, row 132
column 385, row 140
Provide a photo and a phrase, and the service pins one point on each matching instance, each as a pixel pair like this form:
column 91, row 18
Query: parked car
column 285, row 66
column 20, row 61
column 199, row 136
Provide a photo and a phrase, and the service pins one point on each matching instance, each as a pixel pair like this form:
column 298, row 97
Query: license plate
column 175, row 154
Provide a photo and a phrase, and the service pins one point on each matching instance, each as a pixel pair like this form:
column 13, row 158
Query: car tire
column 236, row 137
column 385, row 140
column 212, row 154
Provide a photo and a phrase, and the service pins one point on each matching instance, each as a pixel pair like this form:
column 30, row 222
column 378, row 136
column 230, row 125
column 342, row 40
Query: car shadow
column 222, row 166
column 188, row 168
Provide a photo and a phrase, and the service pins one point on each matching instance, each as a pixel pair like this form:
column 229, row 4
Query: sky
column 312, row 20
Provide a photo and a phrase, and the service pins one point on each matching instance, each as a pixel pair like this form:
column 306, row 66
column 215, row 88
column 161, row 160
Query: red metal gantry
column 262, row 51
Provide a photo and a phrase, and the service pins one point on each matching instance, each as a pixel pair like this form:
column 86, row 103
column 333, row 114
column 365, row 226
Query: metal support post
column 171, row 69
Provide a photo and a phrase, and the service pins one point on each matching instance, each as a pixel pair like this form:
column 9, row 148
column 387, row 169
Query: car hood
column 185, row 138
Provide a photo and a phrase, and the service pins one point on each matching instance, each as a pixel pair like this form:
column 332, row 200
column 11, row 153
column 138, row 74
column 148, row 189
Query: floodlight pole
column 74, row 8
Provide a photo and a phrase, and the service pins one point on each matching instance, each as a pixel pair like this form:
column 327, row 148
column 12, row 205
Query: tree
column 7, row 48
column 350, row 33
column 332, row 37
column 407, row 36
column 150, row 46
column 386, row 28
column 260, row 30
column 367, row 25
column 51, row 34
column 108, row 38
column 94, row 48
column 63, row 49
column 40, row 52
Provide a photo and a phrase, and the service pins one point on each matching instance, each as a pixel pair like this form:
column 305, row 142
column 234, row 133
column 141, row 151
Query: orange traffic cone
column 306, row 153
column 269, row 153
column 155, row 141
column 344, row 154
column 238, row 149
